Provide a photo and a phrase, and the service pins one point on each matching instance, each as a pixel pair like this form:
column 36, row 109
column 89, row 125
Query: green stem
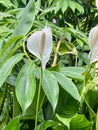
column 39, row 91
column 25, row 50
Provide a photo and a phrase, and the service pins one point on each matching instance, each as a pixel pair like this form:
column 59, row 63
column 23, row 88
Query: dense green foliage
column 69, row 87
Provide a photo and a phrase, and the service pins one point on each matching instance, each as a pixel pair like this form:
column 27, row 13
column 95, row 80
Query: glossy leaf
column 6, row 68
column 65, row 121
column 46, row 124
column 73, row 72
column 68, row 85
column 51, row 88
column 25, row 86
column 79, row 122
column 27, row 19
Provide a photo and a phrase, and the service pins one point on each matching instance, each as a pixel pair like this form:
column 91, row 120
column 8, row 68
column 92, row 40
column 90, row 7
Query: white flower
column 40, row 45
column 93, row 43
column 97, row 3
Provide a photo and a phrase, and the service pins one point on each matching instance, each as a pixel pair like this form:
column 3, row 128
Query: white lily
column 40, row 45
column 97, row 3
column 93, row 43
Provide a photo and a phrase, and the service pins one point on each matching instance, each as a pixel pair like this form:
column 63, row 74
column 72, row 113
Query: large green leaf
column 67, row 105
column 67, row 84
column 51, row 88
column 7, row 66
column 73, row 72
column 13, row 124
column 26, row 20
column 26, row 86
column 80, row 122
column 77, row 122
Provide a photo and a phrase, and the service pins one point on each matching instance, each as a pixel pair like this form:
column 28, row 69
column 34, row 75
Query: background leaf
column 6, row 68
column 26, row 20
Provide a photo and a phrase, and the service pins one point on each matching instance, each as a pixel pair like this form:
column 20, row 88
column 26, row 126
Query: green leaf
column 51, row 88
column 97, row 121
column 26, row 20
column 67, row 84
column 8, row 47
column 64, row 6
column 67, row 48
column 65, row 121
column 24, row 1
column 79, row 122
column 67, row 105
column 7, row 66
column 6, row 3
column 73, row 72
column 26, row 86
column 46, row 124
column 13, row 124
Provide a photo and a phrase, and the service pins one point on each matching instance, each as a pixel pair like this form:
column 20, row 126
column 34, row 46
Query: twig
column 56, row 53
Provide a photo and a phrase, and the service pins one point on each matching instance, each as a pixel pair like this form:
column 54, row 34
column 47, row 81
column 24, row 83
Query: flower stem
column 38, row 98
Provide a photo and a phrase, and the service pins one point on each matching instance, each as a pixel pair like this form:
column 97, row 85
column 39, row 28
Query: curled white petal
column 93, row 36
column 40, row 45
column 97, row 3
column 47, row 47
column 33, row 43
column 94, row 53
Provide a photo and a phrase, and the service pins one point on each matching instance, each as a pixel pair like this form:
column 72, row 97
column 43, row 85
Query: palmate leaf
column 25, row 86
column 51, row 88
column 64, row 4
column 7, row 66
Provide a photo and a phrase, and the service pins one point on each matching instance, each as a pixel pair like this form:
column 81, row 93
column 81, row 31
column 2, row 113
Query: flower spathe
column 40, row 45
column 97, row 3
column 93, row 43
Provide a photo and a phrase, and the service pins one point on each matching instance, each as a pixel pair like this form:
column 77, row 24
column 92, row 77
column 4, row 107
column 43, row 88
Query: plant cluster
column 48, row 78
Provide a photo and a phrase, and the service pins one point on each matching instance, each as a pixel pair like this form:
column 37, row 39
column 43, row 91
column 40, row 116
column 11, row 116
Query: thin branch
column 56, row 53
